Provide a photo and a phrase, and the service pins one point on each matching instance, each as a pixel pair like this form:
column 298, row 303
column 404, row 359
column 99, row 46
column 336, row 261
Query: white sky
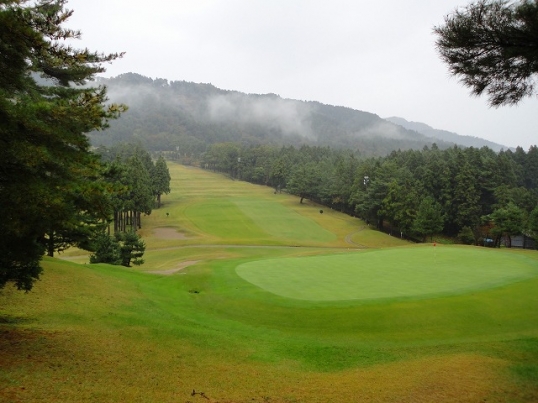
column 374, row 56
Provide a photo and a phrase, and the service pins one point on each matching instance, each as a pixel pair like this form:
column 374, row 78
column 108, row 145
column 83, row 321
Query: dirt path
column 349, row 238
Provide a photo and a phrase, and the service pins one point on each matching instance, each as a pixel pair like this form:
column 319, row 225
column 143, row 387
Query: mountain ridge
column 180, row 115
column 444, row 135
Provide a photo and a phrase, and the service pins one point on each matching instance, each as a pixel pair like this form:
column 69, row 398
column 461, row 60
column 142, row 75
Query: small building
column 521, row 241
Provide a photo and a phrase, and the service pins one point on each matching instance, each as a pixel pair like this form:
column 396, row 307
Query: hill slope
column 443, row 135
column 166, row 115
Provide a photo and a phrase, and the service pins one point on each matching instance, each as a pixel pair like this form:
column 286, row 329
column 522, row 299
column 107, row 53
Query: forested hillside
column 187, row 116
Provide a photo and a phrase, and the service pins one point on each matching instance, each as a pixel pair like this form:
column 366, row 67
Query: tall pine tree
column 160, row 177
column 45, row 110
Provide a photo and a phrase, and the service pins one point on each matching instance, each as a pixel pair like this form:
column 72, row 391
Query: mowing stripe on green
column 390, row 273
column 222, row 218
column 281, row 221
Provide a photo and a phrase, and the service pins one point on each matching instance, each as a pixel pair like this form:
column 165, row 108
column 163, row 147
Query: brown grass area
column 125, row 366
column 454, row 378
column 168, row 233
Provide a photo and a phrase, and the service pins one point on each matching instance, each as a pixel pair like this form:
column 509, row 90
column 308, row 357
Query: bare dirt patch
column 179, row 267
column 168, row 233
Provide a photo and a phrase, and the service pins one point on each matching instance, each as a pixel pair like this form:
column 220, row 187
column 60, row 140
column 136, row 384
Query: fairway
column 390, row 273
column 252, row 219
column 282, row 222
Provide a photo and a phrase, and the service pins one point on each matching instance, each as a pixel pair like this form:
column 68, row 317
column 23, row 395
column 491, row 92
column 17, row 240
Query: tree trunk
column 122, row 221
column 116, row 221
column 131, row 219
column 50, row 245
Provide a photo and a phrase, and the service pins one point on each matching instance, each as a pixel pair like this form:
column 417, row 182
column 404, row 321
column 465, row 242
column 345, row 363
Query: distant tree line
column 466, row 193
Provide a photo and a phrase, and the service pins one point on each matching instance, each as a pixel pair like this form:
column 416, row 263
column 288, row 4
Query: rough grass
column 110, row 334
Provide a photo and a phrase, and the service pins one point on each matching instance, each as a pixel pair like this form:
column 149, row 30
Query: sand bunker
column 179, row 267
column 168, row 233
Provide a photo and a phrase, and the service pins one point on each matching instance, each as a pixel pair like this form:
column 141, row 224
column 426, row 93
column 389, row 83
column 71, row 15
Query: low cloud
column 269, row 111
column 385, row 130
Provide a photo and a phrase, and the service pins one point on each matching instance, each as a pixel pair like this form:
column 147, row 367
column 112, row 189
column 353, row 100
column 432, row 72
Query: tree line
column 139, row 183
column 465, row 193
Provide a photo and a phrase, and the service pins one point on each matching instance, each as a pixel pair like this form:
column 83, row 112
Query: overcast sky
column 374, row 56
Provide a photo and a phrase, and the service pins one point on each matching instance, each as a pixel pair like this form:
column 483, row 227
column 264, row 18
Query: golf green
column 389, row 273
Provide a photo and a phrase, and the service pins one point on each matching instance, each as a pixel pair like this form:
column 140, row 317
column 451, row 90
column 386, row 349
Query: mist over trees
column 189, row 117
column 324, row 153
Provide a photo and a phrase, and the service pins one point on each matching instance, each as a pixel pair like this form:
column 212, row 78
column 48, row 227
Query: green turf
column 444, row 324
column 282, row 222
column 222, row 218
column 254, row 220
column 390, row 273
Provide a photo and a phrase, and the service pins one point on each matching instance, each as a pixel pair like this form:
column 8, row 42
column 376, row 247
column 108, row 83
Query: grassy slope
column 108, row 334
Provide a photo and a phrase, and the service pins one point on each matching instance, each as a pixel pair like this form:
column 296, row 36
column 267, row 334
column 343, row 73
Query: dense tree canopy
column 49, row 183
column 141, row 183
column 429, row 219
column 492, row 45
